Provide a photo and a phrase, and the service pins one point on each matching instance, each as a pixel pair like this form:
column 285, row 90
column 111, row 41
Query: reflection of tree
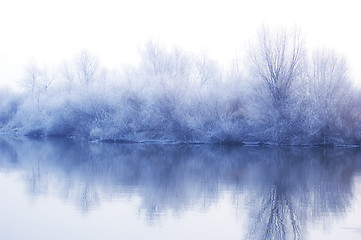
column 286, row 188
column 38, row 180
column 277, row 217
column 298, row 188
column 8, row 154
column 88, row 198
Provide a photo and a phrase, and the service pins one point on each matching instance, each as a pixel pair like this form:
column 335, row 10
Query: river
column 57, row 188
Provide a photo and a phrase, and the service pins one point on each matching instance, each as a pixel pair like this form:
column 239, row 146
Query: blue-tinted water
column 67, row 189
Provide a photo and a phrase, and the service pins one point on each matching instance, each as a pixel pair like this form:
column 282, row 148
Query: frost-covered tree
column 32, row 75
column 83, row 71
column 87, row 68
column 157, row 61
column 277, row 66
column 158, row 84
column 278, row 62
column 207, row 70
column 330, row 96
column 37, row 81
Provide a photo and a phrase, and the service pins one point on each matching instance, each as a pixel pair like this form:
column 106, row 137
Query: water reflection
column 298, row 186
column 285, row 189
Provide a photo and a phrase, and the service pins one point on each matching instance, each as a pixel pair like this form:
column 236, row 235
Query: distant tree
column 32, row 75
column 83, row 71
column 67, row 74
column 87, row 68
column 158, row 61
column 207, row 70
column 153, row 58
column 37, row 80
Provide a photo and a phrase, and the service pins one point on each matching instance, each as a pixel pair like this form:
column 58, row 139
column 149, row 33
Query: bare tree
column 152, row 59
column 207, row 70
column 37, row 79
column 277, row 65
column 329, row 76
column 83, row 71
column 158, row 61
column 330, row 94
column 87, row 68
column 277, row 62
column 32, row 75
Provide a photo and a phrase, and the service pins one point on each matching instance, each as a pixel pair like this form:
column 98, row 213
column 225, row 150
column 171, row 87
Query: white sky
column 52, row 31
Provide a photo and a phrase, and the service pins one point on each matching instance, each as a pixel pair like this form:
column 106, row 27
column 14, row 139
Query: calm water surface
column 67, row 189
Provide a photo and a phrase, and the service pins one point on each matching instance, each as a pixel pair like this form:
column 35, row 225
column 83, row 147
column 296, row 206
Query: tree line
column 279, row 94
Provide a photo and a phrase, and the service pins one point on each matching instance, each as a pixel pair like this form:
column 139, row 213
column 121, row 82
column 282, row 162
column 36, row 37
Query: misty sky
column 49, row 32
